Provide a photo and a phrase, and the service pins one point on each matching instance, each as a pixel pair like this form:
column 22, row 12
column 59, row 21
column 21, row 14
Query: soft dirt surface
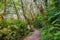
column 35, row 35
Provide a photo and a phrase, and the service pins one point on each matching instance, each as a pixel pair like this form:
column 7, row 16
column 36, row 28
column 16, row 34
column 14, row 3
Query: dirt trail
column 35, row 35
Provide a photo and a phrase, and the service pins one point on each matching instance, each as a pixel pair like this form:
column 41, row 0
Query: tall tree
column 46, row 3
column 16, row 10
column 24, row 14
column 40, row 7
column 4, row 6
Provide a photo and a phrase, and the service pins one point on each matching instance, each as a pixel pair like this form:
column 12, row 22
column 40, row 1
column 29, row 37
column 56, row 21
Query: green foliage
column 52, row 30
column 52, row 19
column 37, row 23
column 1, row 5
column 57, row 4
column 50, row 33
column 13, row 29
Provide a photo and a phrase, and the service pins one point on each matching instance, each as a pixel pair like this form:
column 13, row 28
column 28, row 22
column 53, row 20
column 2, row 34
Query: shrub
column 13, row 29
column 50, row 33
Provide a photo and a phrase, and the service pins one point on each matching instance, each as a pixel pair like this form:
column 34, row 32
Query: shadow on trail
column 35, row 35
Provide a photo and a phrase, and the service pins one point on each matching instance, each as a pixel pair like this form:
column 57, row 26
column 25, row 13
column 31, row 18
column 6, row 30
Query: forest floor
column 35, row 35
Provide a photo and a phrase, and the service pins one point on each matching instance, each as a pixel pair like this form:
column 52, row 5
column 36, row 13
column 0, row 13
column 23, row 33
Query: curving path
column 35, row 35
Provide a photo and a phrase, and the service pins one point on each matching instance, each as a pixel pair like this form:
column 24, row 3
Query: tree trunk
column 24, row 14
column 16, row 10
column 39, row 6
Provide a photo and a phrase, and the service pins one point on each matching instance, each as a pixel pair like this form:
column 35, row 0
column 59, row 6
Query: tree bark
column 4, row 6
column 16, row 10
column 24, row 14
column 39, row 6
column 46, row 3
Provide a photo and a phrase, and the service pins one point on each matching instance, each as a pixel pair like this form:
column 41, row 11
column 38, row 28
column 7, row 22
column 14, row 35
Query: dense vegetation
column 17, row 15
column 13, row 30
